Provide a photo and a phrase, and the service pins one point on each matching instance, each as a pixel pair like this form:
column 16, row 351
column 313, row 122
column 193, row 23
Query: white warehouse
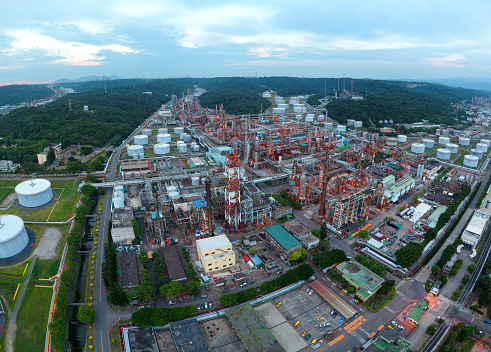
column 34, row 193
column 13, row 236
column 474, row 230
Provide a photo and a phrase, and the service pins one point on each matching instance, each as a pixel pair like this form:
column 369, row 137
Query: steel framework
column 232, row 193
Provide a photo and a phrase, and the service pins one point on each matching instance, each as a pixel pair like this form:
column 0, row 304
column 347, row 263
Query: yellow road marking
column 336, row 340
column 15, row 294
column 356, row 326
column 353, row 322
column 380, row 327
column 372, row 334
column 25, row 269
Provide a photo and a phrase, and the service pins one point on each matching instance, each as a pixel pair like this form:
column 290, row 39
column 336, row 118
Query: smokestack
column 246, row 139
column 322, row 207
column 209, row 213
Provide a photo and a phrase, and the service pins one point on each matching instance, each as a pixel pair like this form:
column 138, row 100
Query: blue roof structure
column 256, row 260
column 154, row 214
column 200, row 203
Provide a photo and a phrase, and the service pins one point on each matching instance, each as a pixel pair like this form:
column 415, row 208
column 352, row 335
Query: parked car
column 296, row 324
column 304, row 333
column 207, row 288
column 203, row 296
column 279, row 304
column 243, row 284
column 224, row 290
column 307, row 336
column 334, row 315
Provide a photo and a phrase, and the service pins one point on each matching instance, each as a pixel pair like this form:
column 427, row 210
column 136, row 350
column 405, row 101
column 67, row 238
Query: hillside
column 16, row 94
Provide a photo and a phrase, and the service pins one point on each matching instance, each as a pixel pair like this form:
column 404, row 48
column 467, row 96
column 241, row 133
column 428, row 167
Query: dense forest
column 16, row 94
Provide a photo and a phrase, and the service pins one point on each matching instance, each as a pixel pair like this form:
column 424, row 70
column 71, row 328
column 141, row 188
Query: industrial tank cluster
column 118, row 197
column 13, row 236
column 34, row 193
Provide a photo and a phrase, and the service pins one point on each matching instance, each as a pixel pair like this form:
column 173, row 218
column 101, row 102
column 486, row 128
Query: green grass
column 33, row 319
column 15, row 271
column 45, row 268
column 4, row 192
column 2, row 340
column 377, row 302
column 7, row 288
column 113, row 334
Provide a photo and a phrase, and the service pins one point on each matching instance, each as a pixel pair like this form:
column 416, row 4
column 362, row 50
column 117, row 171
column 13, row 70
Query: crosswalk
column 358, row 337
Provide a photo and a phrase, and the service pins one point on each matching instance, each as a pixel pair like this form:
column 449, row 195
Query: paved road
column 436, row 338
column 12, row 327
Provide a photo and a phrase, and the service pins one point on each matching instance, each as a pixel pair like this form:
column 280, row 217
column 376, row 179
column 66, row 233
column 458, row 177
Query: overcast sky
column 52, row 39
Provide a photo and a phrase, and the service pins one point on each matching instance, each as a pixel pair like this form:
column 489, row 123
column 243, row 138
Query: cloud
column 68, row 53
column 448, row 60
column 327, row 63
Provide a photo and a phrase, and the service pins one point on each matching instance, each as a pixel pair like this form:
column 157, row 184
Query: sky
column 42, row 41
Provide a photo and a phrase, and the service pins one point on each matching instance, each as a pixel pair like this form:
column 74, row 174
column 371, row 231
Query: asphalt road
column 436, row 338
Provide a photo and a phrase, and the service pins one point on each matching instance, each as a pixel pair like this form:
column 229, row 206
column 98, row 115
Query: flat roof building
column 399, row 188
column 474, row 230
column 282, row 239
column 414, row 315
column 122, row 227
column 174, row 263
column 215, row 253
column 364, row 280
column 187, row 336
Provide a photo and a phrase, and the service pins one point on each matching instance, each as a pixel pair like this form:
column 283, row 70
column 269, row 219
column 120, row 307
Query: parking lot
column 311, row 312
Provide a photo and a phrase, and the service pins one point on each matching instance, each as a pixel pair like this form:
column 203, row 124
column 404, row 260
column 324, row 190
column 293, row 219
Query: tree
column 329, row 258
column 452, row 272
column 351, row 289
column 471, row 268
column 323, row 231
column 430, row 330
column 408, row 255
column 88, row 190
column 465, row 280
column 435, row 269
column 145, row 292
column 443, row 279
column 363, row 234
column 192, row 287
column 315, row 232
column 252, row 251
column 91, row 178
column 297, row 256
column 86, row 314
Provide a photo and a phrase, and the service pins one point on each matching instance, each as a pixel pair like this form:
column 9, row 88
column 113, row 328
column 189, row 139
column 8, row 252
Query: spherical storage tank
column 418, row 148
column 443, row 140
column 486, row 141
column 482, row 146
column 443, row 154
column 134, row 149
column 429, row 143
column 178, row 130
column 454, row 148
column 34, row 193
column 141, row 139
column 161, row 148
column 164, row 138
column 147, row 132
column 470, row 161
column 464, row 141
column 13, row 236
column 477, row 152
column 402, row 138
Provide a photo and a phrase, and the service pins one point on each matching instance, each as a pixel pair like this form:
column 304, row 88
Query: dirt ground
column 7, row 200
column 46, row 248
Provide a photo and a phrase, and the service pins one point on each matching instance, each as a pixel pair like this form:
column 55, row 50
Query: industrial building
column 34, row 193
column 364, row 280
column 414, row 315
column 13, row 236
column 474, row 230
column 400, row 188
column 215, row 253
column 282, row 239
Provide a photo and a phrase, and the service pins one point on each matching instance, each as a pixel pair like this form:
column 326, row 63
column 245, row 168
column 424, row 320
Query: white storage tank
column 278, row 98
column 320, row 117
column 161, row 148
column 429, row 143
column 471, row 160
column 278, row 102
column 34, row 193
column 486, row 141
column 141, row 139
column 391, row 141
column 298, row 117
column 328, row 125
column 164, row 138
column 464, row 141
column 341, row 129
column 118, row 188
column 178, row 130
column 443, row 154
column 182, row 147
column 195, row 181
column 171, row 189
column 147, row 132
column 454, row 148
column 187, row 138
column 285, row 106
column 13, row 236
column 134, row 149
column 266, row 95
column 358, row 124
column 482, row 146
column 162, row 131
column 173, row 195
column 477, row 152
column 418, row 148
column 309, row 118
column 299, row 109
column 279, row 110
column 402, row 138
column 118, row 201
column 196, row 148
column 350, row 122
column 443, row 140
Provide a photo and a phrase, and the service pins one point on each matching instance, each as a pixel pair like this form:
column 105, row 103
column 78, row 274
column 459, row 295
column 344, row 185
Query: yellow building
column 215, row 253
column 42, row 157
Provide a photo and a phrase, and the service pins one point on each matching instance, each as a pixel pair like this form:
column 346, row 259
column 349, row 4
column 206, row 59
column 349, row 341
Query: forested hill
column 16, row 94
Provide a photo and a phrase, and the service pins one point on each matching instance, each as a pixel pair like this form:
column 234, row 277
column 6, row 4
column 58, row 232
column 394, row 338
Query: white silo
column 164, row 138
column 391, row 141
column 196, row 148
column 34, row 193
column 341, row 129
column 182, row 147
column 276, row 98
column 162, row 131
column 173, row 195
column 358, row 124
column 309, row 118
column 418, row 148
column 147, row 132
column 187, row 138
column 161, row 148
column 486, row 141
column 141, row 139
column 443, row 140
column 13, row 236
column 482, row 146
column 464, row 141
column 118, row 200
column 429, row 143
column 471, row 161
column 285, row 106
column 195, row 181
column 299, row 109
column 320, row 117
column 402, row 138
column 350, row 122
column 279, row 110
column 134, row 149
column 328, row 125
column 178, row 130
column 266, row 95
column 443, row 154
column 477, row 152
column 454, row 148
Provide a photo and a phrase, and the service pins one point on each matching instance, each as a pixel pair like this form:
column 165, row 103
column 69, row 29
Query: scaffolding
column 348, row 210
column 232, row 193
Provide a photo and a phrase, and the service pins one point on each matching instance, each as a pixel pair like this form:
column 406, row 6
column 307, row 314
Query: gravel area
column 46, row 248
column 164, row 340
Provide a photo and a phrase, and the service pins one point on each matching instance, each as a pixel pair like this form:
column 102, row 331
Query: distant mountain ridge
column 88, row 78
column 477, row 83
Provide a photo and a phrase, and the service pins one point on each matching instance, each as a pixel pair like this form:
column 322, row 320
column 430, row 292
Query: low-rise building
column 363, row 279
column 282, row 239
column 42, row 157
column 215, row 253
column 400, row 188
column 414, row 315
column 474, row 230
column 122, row 227
column 8, row 166
column 174, row 263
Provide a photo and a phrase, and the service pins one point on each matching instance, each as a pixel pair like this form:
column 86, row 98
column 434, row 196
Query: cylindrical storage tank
column 118, row 201
column 402, row 138
column 34, row 193
column 477, row 152
column 278, row 98
column 358, row 124
column 141, row 139
column 341, row 128
column 454, row 148
column 320, row 117
column 299, row 109
column 147, row 132
column 328, row 125
column 13, row 236
column 162, row 131
column 178, row 130
column 266, row 95
column 171, row 189
column 486, row 141
column 164, row 138
column 279, row 110
column 309, row 118
column 286, row 106
column 471, row 160
column 187, row 138
column 365, row 135
column 482, row 146
column 392, row 141
column 196, row 148
column 298, row 117
column 464, row 141
column 173, row 195
column 118, row 188
column 195, row 181
column 161, row 148
column 183, row 148
column 418, row 148
column 443, row 140
column 350, row 122
column 429, row 143
column 443, row 154
column 134, row 149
